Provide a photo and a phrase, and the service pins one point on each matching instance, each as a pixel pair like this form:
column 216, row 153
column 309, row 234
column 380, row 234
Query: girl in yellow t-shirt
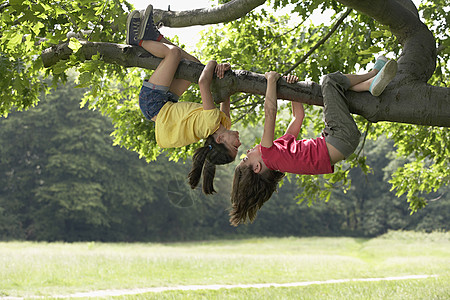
column 182, row 123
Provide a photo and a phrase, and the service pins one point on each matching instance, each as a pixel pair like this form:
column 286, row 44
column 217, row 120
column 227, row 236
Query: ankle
column 373, row 72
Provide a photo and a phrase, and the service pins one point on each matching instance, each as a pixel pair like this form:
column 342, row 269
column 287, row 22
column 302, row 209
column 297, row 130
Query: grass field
column 47, row 269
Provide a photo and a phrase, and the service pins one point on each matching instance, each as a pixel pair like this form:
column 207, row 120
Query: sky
column 189, row 35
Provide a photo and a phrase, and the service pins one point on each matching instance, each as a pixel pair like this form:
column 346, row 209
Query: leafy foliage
column 258, row 42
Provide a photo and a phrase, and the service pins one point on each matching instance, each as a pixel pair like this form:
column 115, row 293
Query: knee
column 331, row 79
column 355, row 137
column 174, row 52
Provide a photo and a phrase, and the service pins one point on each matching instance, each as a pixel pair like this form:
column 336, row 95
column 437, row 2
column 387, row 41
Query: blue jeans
column 153, row 97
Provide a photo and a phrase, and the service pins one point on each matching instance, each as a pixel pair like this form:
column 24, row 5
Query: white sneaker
column 383, row 78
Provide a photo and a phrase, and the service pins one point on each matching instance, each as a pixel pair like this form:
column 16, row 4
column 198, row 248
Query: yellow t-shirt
column 183, row 123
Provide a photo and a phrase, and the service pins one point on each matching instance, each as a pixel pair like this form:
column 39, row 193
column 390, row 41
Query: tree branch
column 393, row 105
column 323, row 40
column 224, row 13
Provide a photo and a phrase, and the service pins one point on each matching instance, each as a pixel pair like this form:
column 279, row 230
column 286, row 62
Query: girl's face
column 253, row 159
column 231, row 140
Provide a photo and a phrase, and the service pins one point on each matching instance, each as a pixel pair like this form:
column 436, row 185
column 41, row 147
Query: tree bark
column 227, row 12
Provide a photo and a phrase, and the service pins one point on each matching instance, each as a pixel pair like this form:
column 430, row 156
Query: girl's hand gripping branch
column 221, row 69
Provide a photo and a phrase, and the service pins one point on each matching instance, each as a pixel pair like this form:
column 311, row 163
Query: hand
column 272, row 76
column 291, row 78
column 221, row 69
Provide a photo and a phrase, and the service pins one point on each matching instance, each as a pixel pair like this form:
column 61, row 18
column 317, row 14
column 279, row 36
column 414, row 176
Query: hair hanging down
column 250, row 191
column 205, row 160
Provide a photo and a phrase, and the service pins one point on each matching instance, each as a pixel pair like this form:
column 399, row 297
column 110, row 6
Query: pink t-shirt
column 308, row 157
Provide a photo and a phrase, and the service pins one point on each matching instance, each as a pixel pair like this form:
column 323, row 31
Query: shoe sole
column 383, row 78
column 129, row 20
column 144, row 20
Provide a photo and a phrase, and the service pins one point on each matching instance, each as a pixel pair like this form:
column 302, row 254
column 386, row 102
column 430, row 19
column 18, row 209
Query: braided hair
column 204, row 162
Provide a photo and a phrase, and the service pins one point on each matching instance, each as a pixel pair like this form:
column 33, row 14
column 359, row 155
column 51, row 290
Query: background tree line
column 61, row 179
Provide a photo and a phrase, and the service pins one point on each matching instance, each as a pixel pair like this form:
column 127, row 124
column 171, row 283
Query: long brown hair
column 249, row 192
column 204, row 163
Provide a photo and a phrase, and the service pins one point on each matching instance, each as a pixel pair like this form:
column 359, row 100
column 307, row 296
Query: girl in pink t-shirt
column 258, row 174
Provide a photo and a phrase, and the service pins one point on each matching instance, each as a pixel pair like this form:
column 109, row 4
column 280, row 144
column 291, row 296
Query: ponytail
column 209, row 172
column 204, row 162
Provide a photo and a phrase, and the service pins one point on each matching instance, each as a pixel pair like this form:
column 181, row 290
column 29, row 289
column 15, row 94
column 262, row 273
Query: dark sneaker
column 133, row 24
column 386, row 74
column 148, row 30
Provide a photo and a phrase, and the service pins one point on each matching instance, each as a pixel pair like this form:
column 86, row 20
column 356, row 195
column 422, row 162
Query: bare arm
column 204, row 82
column 225, row 107
column 270, row 109
column 298, row 115
column 298, row 112
column 220, row 71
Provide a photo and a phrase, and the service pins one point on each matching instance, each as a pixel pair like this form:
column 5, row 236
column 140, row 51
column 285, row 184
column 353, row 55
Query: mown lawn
column 45, row 269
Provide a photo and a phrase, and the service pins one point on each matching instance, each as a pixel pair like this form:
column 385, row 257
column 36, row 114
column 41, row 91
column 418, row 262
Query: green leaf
column 37, row 28
column 46, row 7
column 376, row 34
column 60, row 67
column 371, row 50
column 59, row 10
column 28, row 43
column 16, row 2
column 84, row 80
column 74, row 44
column 14, row 41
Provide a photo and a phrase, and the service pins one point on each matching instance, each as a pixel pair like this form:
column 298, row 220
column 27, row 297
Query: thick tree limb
column 224, row 13
column 393, row 105
column 418, row 59
column 408, row 97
